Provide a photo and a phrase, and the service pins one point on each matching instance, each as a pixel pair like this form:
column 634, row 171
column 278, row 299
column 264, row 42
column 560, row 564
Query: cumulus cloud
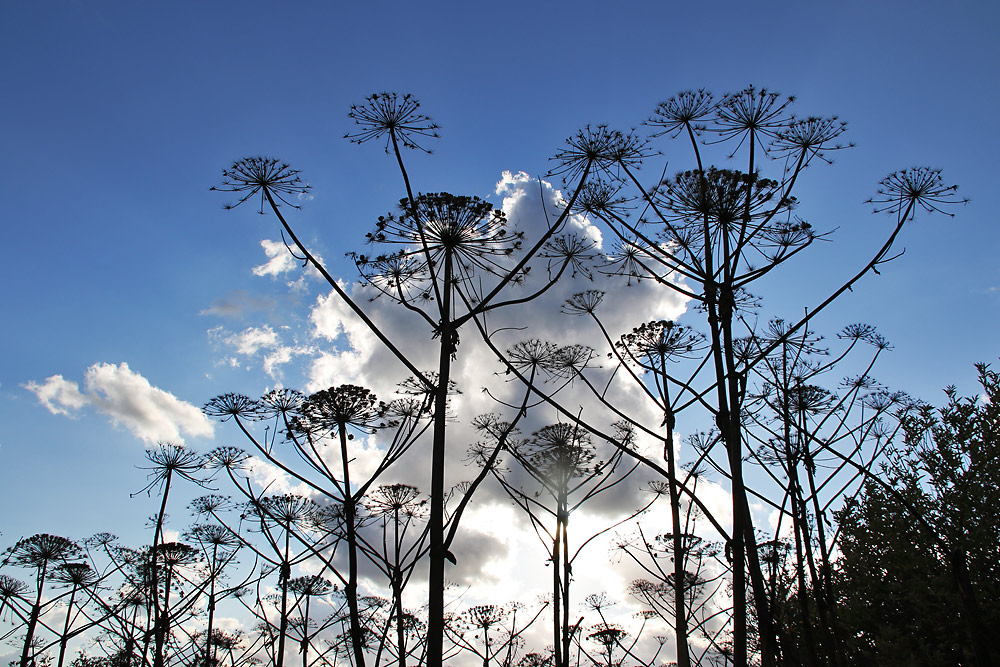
column 530, row 205
column 357, row 353
column 347, row 352
column 59, row 395
column 128, row 399
column 342, row 350
column 524, row 195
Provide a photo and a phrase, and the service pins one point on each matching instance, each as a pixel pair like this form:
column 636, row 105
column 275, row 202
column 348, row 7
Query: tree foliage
column 910, row 546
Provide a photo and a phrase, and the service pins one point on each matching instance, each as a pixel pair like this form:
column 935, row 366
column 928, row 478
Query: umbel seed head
column 901, row 192
column 274, row 180
column 394, row 117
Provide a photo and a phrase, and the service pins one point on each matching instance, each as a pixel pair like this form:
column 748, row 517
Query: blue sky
column 118, row 117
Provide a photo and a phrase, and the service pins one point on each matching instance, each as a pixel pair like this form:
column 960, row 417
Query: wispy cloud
column 263, row 342
column 237, row 303
column 252, row 339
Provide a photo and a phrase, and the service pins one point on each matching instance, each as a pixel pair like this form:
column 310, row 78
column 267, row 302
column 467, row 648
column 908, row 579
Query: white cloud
column 280, row 356
column 252, row 339
column 522, row 191
column 128, row 399
column 333, row 321
column 59, row 395
column 279, row 260
column 786, row 525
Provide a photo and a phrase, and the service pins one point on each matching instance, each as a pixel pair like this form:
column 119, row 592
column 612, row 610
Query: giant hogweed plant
column 708, row 232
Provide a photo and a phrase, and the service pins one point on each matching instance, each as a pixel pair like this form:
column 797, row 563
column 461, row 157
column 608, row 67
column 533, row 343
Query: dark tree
column 919, row 580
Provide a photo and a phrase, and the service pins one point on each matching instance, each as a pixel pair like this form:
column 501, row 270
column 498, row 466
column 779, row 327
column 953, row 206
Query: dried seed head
column 274, row 180
column 682, row 111
column 901, row 192
column 395, row 117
